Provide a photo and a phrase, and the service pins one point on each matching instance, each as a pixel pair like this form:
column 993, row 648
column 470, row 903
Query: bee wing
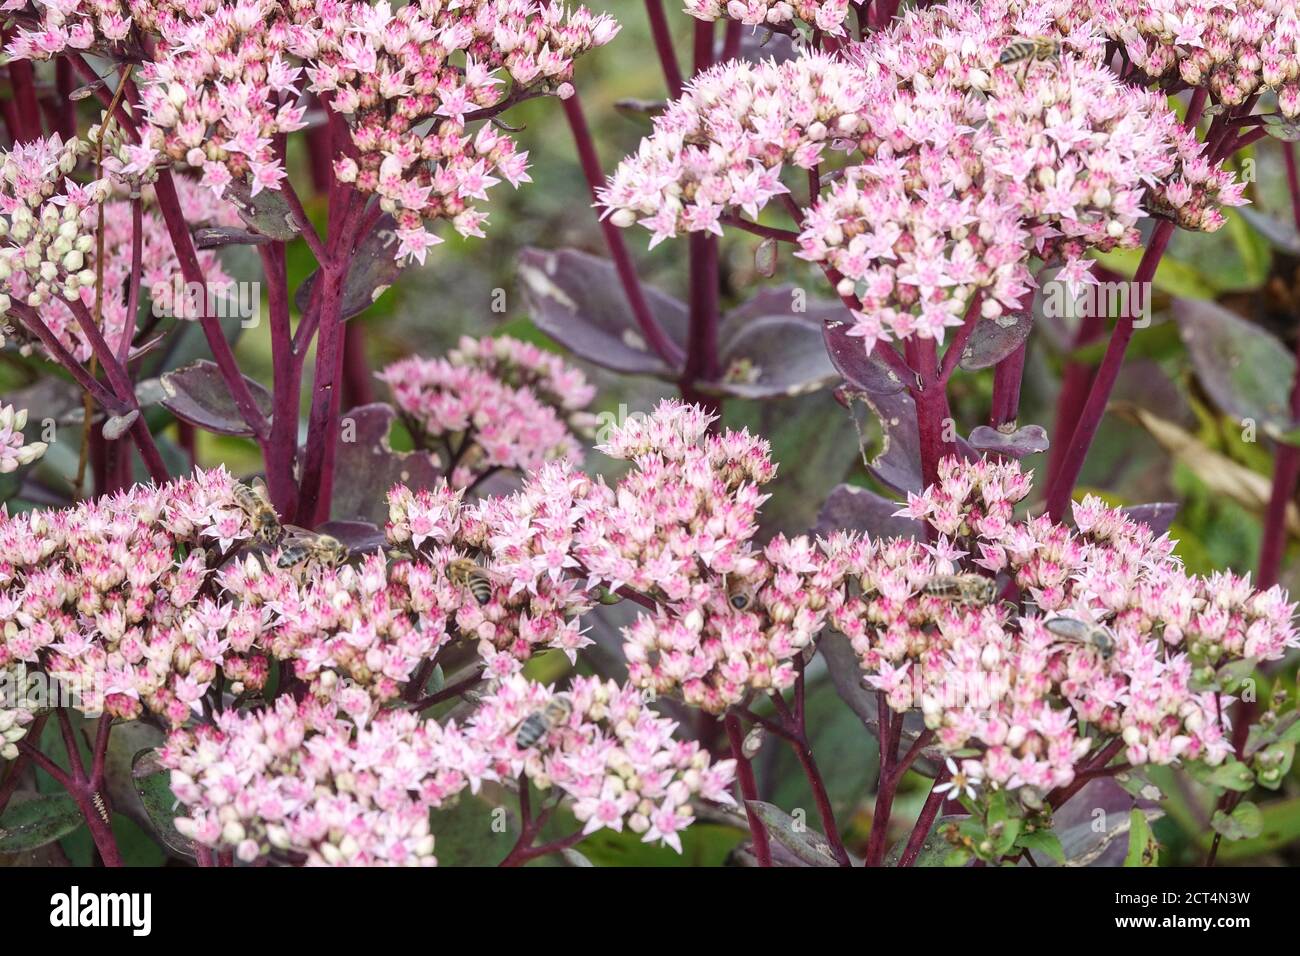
column 260, row 489
column 294, row 534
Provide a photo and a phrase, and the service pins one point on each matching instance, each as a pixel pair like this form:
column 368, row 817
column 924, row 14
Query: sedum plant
column 261, row 619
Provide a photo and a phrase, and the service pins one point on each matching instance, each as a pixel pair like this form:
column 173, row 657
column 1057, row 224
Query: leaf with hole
column 1027, row 440
column 153, row 786
column 367, row 467
column 767, row 349
column 269, row 212
column 577, row 299
column 371, row 271
column 1243, row 823
column 852, row 508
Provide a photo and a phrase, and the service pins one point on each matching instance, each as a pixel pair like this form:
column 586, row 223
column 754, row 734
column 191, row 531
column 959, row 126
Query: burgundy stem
column 923, row 822
column 1076, row 379
column 933, row 423
column 357, row 387
column 169, row 205
column 137, row 273
column 887, row 784
column 322, row 423
column 282, row 447
column 663, row 40
column 794, row 730
column 1286, row 463
column 748, row 789
column 654, row 333
column 23, row 80
column 1007, row 376
column 1080, row 441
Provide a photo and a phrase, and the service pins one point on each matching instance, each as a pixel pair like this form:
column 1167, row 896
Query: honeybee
column 256, row 503
column 962, row 588
column 303, row 545
column 541, row 722
column 1081, row 632
column 1031, row 49
column 469, row 574
column 740, row 595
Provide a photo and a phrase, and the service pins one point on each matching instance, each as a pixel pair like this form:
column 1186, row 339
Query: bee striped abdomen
column 1033, row 48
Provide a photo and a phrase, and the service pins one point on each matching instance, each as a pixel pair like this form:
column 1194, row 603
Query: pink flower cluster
column 679, row 528
column 47, row 257
column 70, row 25
column 295, row 783
column 1235, row 49
column 45, row 223
column 111, row 599
column 687, row 510
column 493, row 403
column 612, row 755
column 961, row 168
column 393, row 72
column 1007, row 677
column 355, row 633
column 536, row 599
column 223, row 86
column 827, row 16
column 747, row 633
column 723, row 145
column 298, row 784
column 226, row 79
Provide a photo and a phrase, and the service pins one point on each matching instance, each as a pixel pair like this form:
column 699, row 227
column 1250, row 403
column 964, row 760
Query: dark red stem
column 663, row 40
column 654, row 333
column 748, row 789
column 1286, row 463
column 930, row 810
column 1080, row 441
column 169, row 205
column 286, row 386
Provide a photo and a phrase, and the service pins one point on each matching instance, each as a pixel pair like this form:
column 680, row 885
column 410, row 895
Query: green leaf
column 1280, row 756
column 1280, row 827
column 1010, row 831
column 935, row 850
column 1244, row 368
column 1231, row 674
column 1143, row 850
column 1244, row 822
column 1232, row 774
column 1043, row 841
column 1279, row 127
column 153, row 784
column 33, row 823
column 1284, row 729
column 473, row 832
